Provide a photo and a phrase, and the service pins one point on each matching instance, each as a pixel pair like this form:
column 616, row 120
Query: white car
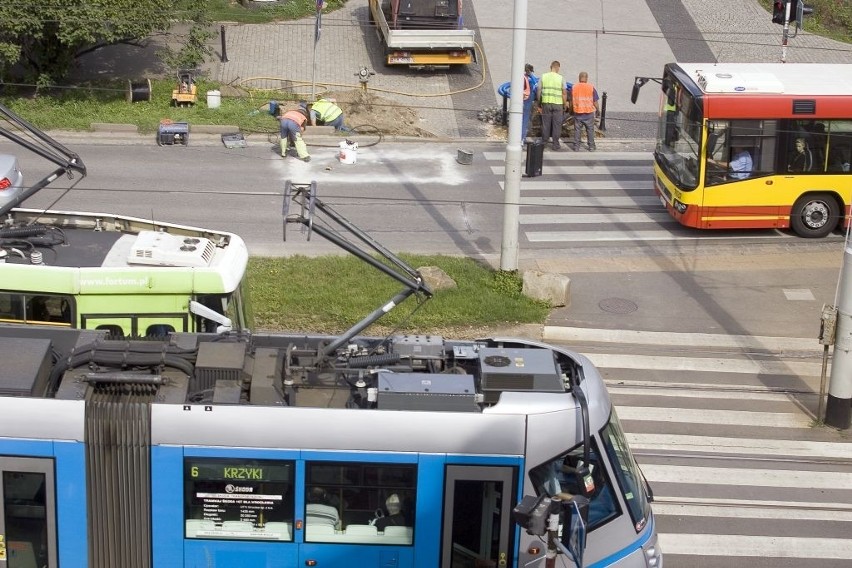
column 11, row 178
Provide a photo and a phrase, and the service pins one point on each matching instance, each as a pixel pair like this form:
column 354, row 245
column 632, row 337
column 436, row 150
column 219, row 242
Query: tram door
column 477, row 517
column 27, row 513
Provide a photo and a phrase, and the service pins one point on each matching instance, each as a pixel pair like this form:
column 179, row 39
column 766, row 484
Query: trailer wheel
column 814, row 215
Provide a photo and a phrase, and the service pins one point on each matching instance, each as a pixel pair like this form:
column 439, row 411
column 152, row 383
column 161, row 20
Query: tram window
column 630, row 479
column 557, row 476
column 360, row 503
column 41, row 308
column 238, row 499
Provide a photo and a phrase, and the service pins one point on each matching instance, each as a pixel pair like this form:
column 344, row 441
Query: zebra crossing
column 723, row 429
column 580, row 196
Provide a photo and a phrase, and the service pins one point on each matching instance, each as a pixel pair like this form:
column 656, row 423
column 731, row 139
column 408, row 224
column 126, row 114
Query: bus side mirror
column 637, row 84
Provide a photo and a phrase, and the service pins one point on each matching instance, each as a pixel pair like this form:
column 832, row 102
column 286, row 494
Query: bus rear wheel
column 815, row 215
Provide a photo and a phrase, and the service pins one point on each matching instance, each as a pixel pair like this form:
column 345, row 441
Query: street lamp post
column 512, row 185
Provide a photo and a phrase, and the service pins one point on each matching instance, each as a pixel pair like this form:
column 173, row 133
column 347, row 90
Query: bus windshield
column 679, row 135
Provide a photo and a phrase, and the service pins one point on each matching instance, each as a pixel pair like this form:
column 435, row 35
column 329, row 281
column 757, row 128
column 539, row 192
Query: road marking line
column 642, row 157
column 768, row 512
column 756, row 546
column 697, row 393
column 715, row 365
column 595, row 169
column 555, row 185
column 748, row 446
column 597, row 202
column 798, row 479
column 595, row 218
column 715, row 417
column 666, row 338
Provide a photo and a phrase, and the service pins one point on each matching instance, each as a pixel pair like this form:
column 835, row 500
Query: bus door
column 27, row 513
column 477, row 530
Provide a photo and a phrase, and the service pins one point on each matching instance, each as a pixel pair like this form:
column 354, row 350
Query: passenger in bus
column 740, row 166
column 320, row 508
column 801, row 159
column 394, row 516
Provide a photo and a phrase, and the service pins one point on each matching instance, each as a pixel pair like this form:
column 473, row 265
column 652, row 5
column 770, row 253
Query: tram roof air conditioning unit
column 523, row 370
column 447, row 392
column 164, row 249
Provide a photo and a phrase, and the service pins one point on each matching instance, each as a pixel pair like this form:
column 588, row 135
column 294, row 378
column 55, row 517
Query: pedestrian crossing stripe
column 756, row 546
column 569, row 156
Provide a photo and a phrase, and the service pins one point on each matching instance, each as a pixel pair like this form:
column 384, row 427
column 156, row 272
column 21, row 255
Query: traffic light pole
column 787, row 8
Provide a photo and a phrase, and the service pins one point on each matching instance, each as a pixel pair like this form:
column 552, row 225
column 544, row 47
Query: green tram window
column 49, row 309
column 238, row 499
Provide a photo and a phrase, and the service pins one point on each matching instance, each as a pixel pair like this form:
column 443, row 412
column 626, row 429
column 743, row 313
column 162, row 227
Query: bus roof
column 805, row 79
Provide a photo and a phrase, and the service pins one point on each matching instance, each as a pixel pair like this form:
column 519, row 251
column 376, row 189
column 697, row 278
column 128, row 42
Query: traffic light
column 778, row 11
column 798, row 11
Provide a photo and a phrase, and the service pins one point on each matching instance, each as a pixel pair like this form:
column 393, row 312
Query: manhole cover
column 618, row 306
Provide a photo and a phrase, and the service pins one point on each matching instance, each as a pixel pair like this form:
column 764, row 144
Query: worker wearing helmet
column 292, row 125
column 326, row 112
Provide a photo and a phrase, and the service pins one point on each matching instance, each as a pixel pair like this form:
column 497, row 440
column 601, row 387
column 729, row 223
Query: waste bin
column 535, row 157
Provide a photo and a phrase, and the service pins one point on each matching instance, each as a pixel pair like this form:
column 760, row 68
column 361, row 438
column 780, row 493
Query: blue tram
column 278, row 451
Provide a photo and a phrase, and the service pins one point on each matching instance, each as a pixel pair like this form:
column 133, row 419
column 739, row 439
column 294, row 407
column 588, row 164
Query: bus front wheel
column 815, row 215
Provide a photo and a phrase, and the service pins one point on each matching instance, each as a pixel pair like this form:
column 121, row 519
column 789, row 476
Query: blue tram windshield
column 627, row 472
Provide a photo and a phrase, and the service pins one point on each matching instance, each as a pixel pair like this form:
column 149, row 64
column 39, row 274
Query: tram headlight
column 653, row 554
column 679, row 207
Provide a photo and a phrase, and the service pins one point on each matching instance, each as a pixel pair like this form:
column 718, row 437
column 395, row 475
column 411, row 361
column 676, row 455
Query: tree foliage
column 44, row 36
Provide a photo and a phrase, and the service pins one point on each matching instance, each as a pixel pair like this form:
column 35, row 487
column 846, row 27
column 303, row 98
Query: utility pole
column 786, row 33
column 838, row 407
column 512, row 183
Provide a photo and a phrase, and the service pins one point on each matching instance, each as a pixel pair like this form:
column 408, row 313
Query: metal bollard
column 603, row 112
column 224, row 49
column 505, row 120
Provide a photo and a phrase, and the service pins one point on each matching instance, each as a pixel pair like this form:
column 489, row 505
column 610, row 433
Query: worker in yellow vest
column 326, row 112
column 584, row 101
column 553, row 98
column 292, row 125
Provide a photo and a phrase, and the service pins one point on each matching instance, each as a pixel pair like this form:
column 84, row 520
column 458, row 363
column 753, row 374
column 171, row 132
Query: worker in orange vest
column 584, row 102
column 292, row 125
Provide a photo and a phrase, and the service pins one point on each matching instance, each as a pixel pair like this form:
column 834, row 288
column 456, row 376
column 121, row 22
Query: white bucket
column 214, row 99
column 348, row 152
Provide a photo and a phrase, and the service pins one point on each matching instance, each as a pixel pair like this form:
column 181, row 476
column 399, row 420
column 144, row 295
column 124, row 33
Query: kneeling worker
column 292, row 125
column 326, row 112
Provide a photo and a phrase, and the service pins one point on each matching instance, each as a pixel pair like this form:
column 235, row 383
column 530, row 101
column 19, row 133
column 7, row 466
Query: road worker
column 292, row 125
column 326, row 112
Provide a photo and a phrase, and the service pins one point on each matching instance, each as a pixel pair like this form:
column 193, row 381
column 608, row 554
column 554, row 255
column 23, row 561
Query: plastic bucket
column 214, row 99
column 464, row 157
column 348, row 152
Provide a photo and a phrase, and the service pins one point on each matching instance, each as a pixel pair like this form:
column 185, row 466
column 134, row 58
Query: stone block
column 436, row 278
column 547, row 286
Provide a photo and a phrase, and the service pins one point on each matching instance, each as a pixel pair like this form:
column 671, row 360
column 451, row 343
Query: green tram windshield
column 559, row 475
column 679, row 134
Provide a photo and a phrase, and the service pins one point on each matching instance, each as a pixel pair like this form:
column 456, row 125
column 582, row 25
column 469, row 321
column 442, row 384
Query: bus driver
column 740, row 166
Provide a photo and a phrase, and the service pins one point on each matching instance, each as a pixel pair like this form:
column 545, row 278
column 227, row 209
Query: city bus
column 129, row 276
column 277, row 451
column 755, row 145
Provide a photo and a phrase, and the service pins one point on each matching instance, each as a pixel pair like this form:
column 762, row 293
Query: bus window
column 740, row 149
column 42, row 308
column 558, row 476
column 360, row 503
column 238, row 499
column 839, row 144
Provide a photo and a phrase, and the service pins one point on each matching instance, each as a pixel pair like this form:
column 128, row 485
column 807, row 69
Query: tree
column 45, row 36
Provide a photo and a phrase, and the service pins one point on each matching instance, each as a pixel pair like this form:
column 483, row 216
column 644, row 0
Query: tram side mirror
column 531, row 514
column 574, row 526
